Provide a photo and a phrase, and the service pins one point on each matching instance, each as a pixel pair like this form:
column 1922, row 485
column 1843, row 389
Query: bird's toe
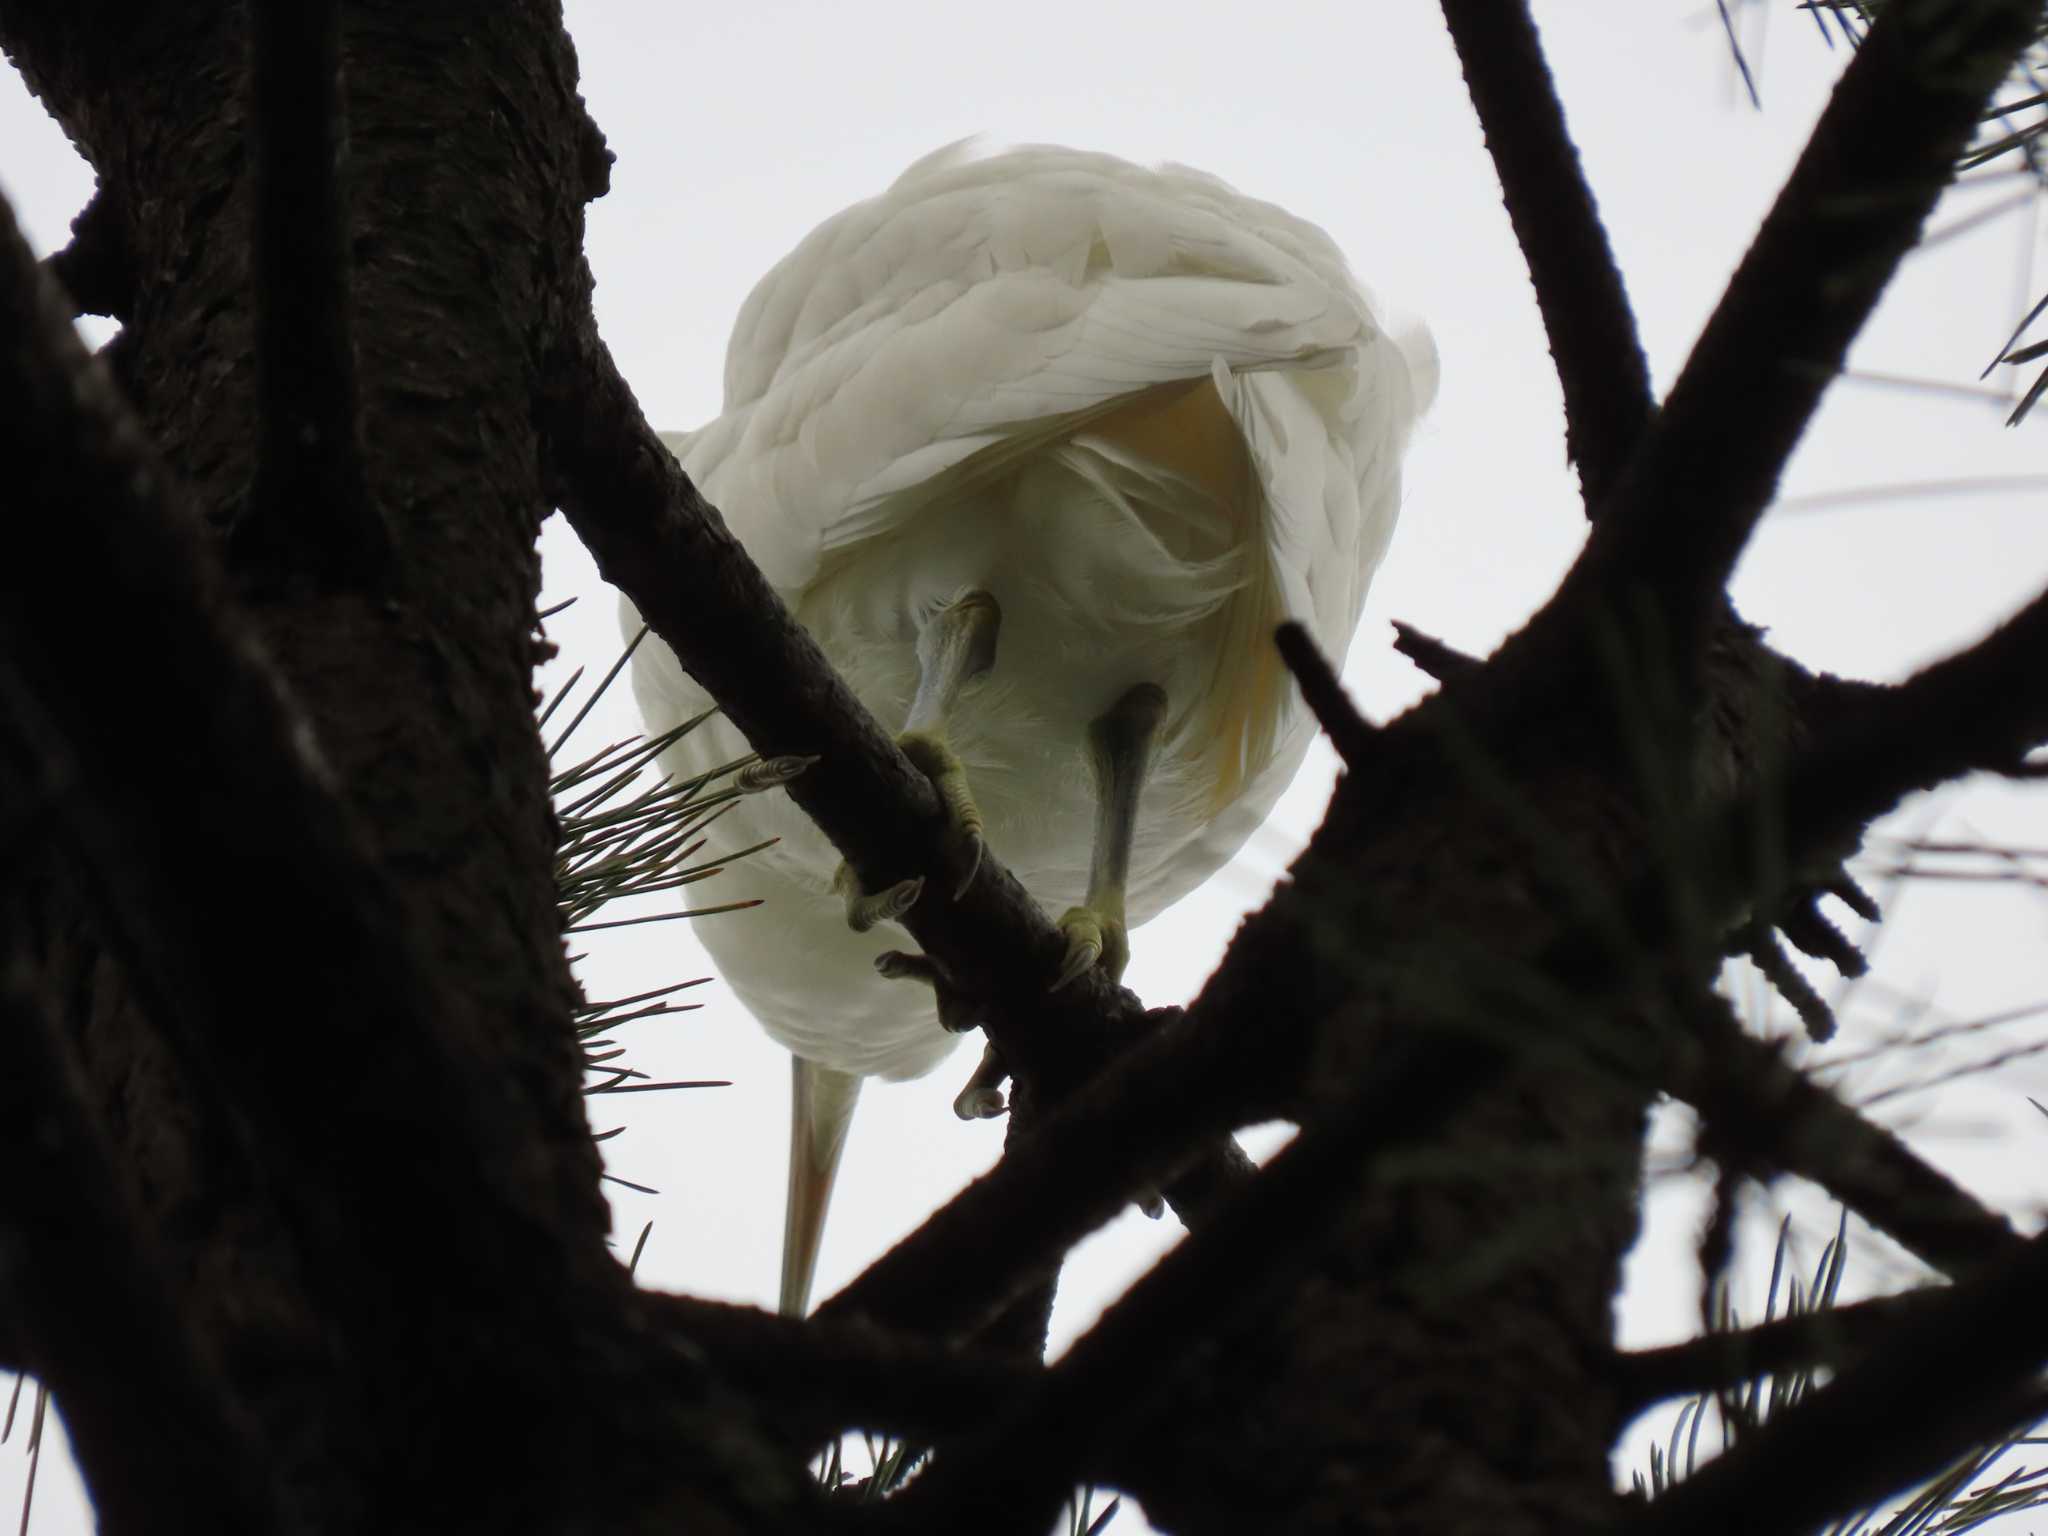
column 1093, row 939
column 974, row 1103
column 972, row 846
column 864, row 908
column 982, row 1098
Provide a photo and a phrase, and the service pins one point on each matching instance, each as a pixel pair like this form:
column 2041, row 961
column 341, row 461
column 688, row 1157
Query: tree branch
column 239, row 806
column 1069, row 1428
column 814, row 1378
column 96, row 270
column 415, row 1198
column 1579, row 290
column 1877, row 161
column 1955, row 1376
column 1323, row 691
column 151, row 1420
column 1831, row 1337
column 1758, row 1109
column 1125, row 1128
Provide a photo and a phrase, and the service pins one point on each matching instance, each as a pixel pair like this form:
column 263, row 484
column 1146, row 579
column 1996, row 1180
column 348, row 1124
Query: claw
column 771, row 772
column 1082, row 953
column 976, row 846
column 979, row 1103
column 898, row 965
column 864, row 909
column 1152, row 1204
column 982, row 1098
column 958, row 1012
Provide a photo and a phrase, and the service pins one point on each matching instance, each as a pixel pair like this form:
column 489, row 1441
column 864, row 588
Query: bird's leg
column 955, row 646
column 1119, row 754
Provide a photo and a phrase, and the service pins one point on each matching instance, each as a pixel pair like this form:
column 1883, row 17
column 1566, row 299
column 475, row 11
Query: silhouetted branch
column 1876, row 162
column 1349, row 732
column 813, row 1378
column 95, row 270
column 310, row 513
column 150, row 1420
column 1440, row 661
column 1125, row 1129
column 241, row 805
column 1831, row 1337
column 1955, row 1374
column 1760, row 946
column 1070, row 1427
column 1579, row 289
column 1760, row 1111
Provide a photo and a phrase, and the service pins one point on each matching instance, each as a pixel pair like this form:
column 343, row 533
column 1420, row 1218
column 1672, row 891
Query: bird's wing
column 980, row 308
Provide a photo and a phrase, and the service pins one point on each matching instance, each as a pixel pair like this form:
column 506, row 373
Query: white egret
column 1040, row 446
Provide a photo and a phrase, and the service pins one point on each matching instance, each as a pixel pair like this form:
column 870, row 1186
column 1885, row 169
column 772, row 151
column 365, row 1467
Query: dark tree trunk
column 394, row 1361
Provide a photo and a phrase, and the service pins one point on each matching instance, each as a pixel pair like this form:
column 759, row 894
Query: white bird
column 1040, row 446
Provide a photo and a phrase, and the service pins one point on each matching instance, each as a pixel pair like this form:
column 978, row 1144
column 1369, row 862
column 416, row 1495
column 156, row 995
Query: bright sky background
column 738, row 128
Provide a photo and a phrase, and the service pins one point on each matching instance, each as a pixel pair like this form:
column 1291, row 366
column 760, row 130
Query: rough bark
column 402, row 1310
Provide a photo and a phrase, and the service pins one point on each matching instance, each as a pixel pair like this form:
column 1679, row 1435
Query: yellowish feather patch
column 1185, row 430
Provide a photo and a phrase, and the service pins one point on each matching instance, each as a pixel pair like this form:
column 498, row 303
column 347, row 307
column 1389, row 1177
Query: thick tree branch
column 1071, row 1427
column 1957, row 1375
column 311, row 514
column 414, row 1197
column 1127, row 1127
column 238, row 804
column 1877, row 161
column 1579, row 289
column 96, row 270
column 813, row 1378
column 1831, row 1337
column 151, row 1421
column 659, row 542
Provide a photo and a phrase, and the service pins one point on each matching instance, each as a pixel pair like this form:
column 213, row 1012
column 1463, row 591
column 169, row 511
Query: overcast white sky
column 738, row 128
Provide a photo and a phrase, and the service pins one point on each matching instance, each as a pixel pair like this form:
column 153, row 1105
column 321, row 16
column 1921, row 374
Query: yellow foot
column 930, row 755
column 1094, row 938
column 938, row 762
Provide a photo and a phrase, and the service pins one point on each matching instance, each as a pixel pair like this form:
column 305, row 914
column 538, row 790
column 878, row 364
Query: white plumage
column 1151, row 417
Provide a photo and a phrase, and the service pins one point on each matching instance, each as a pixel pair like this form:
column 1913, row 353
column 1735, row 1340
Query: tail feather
column 820, row 1109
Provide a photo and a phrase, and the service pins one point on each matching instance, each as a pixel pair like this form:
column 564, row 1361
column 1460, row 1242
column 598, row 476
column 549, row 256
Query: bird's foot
column 957, row 1011
column 982, row 1098
column 929, row 754
column 932, row 757
column 1096, row 937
